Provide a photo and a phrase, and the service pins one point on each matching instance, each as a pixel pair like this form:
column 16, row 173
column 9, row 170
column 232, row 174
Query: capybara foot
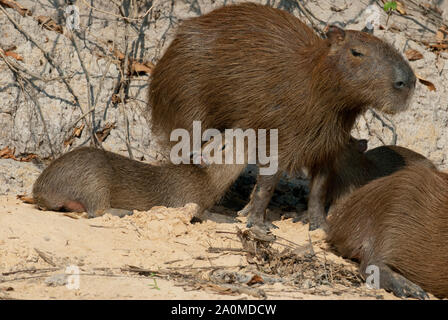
column 317, row 223
column 256, row 220
column 400, row 286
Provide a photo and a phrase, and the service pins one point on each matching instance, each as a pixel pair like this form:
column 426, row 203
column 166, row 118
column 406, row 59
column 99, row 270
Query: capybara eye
column 356, row 53
column 399, row 85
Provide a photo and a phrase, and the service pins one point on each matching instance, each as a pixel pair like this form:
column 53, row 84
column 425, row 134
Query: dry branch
column 17, row 7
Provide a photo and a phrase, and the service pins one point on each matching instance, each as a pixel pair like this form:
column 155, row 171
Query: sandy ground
column 159, row 254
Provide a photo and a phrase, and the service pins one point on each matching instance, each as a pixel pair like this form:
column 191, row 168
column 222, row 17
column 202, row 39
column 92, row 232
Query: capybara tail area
column 74, row 206
column 44, row 203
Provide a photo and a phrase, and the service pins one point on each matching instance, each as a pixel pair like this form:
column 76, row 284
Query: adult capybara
column 399, row 224
column 252, row 66
column 94, row 180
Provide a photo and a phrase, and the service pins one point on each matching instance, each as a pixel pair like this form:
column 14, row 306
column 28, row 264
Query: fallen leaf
column 440, row 36
column 77, row 132
column 14, row 55
column 141, row 67
column 429, row 84
column 401, row 9
column 28, row 158
column 439, row 46
column 105, row 132
column 49, row 24
column 255, row 279
column 413, row 55
column 115, row 98
column 8, row 153
column 9, row 52
column 14, row 5
column 118, row 54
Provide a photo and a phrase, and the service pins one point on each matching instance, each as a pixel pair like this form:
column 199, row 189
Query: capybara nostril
column 404, row 78
column 399, row 85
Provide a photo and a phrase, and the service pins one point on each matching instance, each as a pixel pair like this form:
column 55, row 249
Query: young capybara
column 250, row 66
column 93, row 180
column 399, row 224
column 354, row 168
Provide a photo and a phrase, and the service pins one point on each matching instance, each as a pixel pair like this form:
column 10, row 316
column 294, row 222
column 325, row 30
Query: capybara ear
column 335, row 34
column 362, row 145
column 365, row 29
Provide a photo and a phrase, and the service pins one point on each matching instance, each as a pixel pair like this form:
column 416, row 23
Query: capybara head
column 372, row 68
column 213, row 152
column 359, row 145
column 352, row 152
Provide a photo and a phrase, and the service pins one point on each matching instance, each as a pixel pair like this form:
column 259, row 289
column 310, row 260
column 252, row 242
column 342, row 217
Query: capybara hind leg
column 261, row 195
column 98, row 203
column 397, row 284
column 316, row 201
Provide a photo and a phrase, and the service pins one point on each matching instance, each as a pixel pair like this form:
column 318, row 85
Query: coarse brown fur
column 94, row 180
column 400, row 224
column 252, row 66
column 354, row 168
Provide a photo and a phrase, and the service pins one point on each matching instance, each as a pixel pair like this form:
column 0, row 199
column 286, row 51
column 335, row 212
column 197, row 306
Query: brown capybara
column 250, row 66
column 93, row 180
column 354, row 168
column 399, row 224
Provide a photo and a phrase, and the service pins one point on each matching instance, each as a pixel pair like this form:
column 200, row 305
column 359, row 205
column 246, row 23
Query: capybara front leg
column 316, row 201
column 395, row 282
column 261, row 195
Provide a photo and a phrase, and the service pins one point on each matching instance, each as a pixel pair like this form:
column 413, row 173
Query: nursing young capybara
column 399, row 224
column 93, row 180
column 250, row 66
